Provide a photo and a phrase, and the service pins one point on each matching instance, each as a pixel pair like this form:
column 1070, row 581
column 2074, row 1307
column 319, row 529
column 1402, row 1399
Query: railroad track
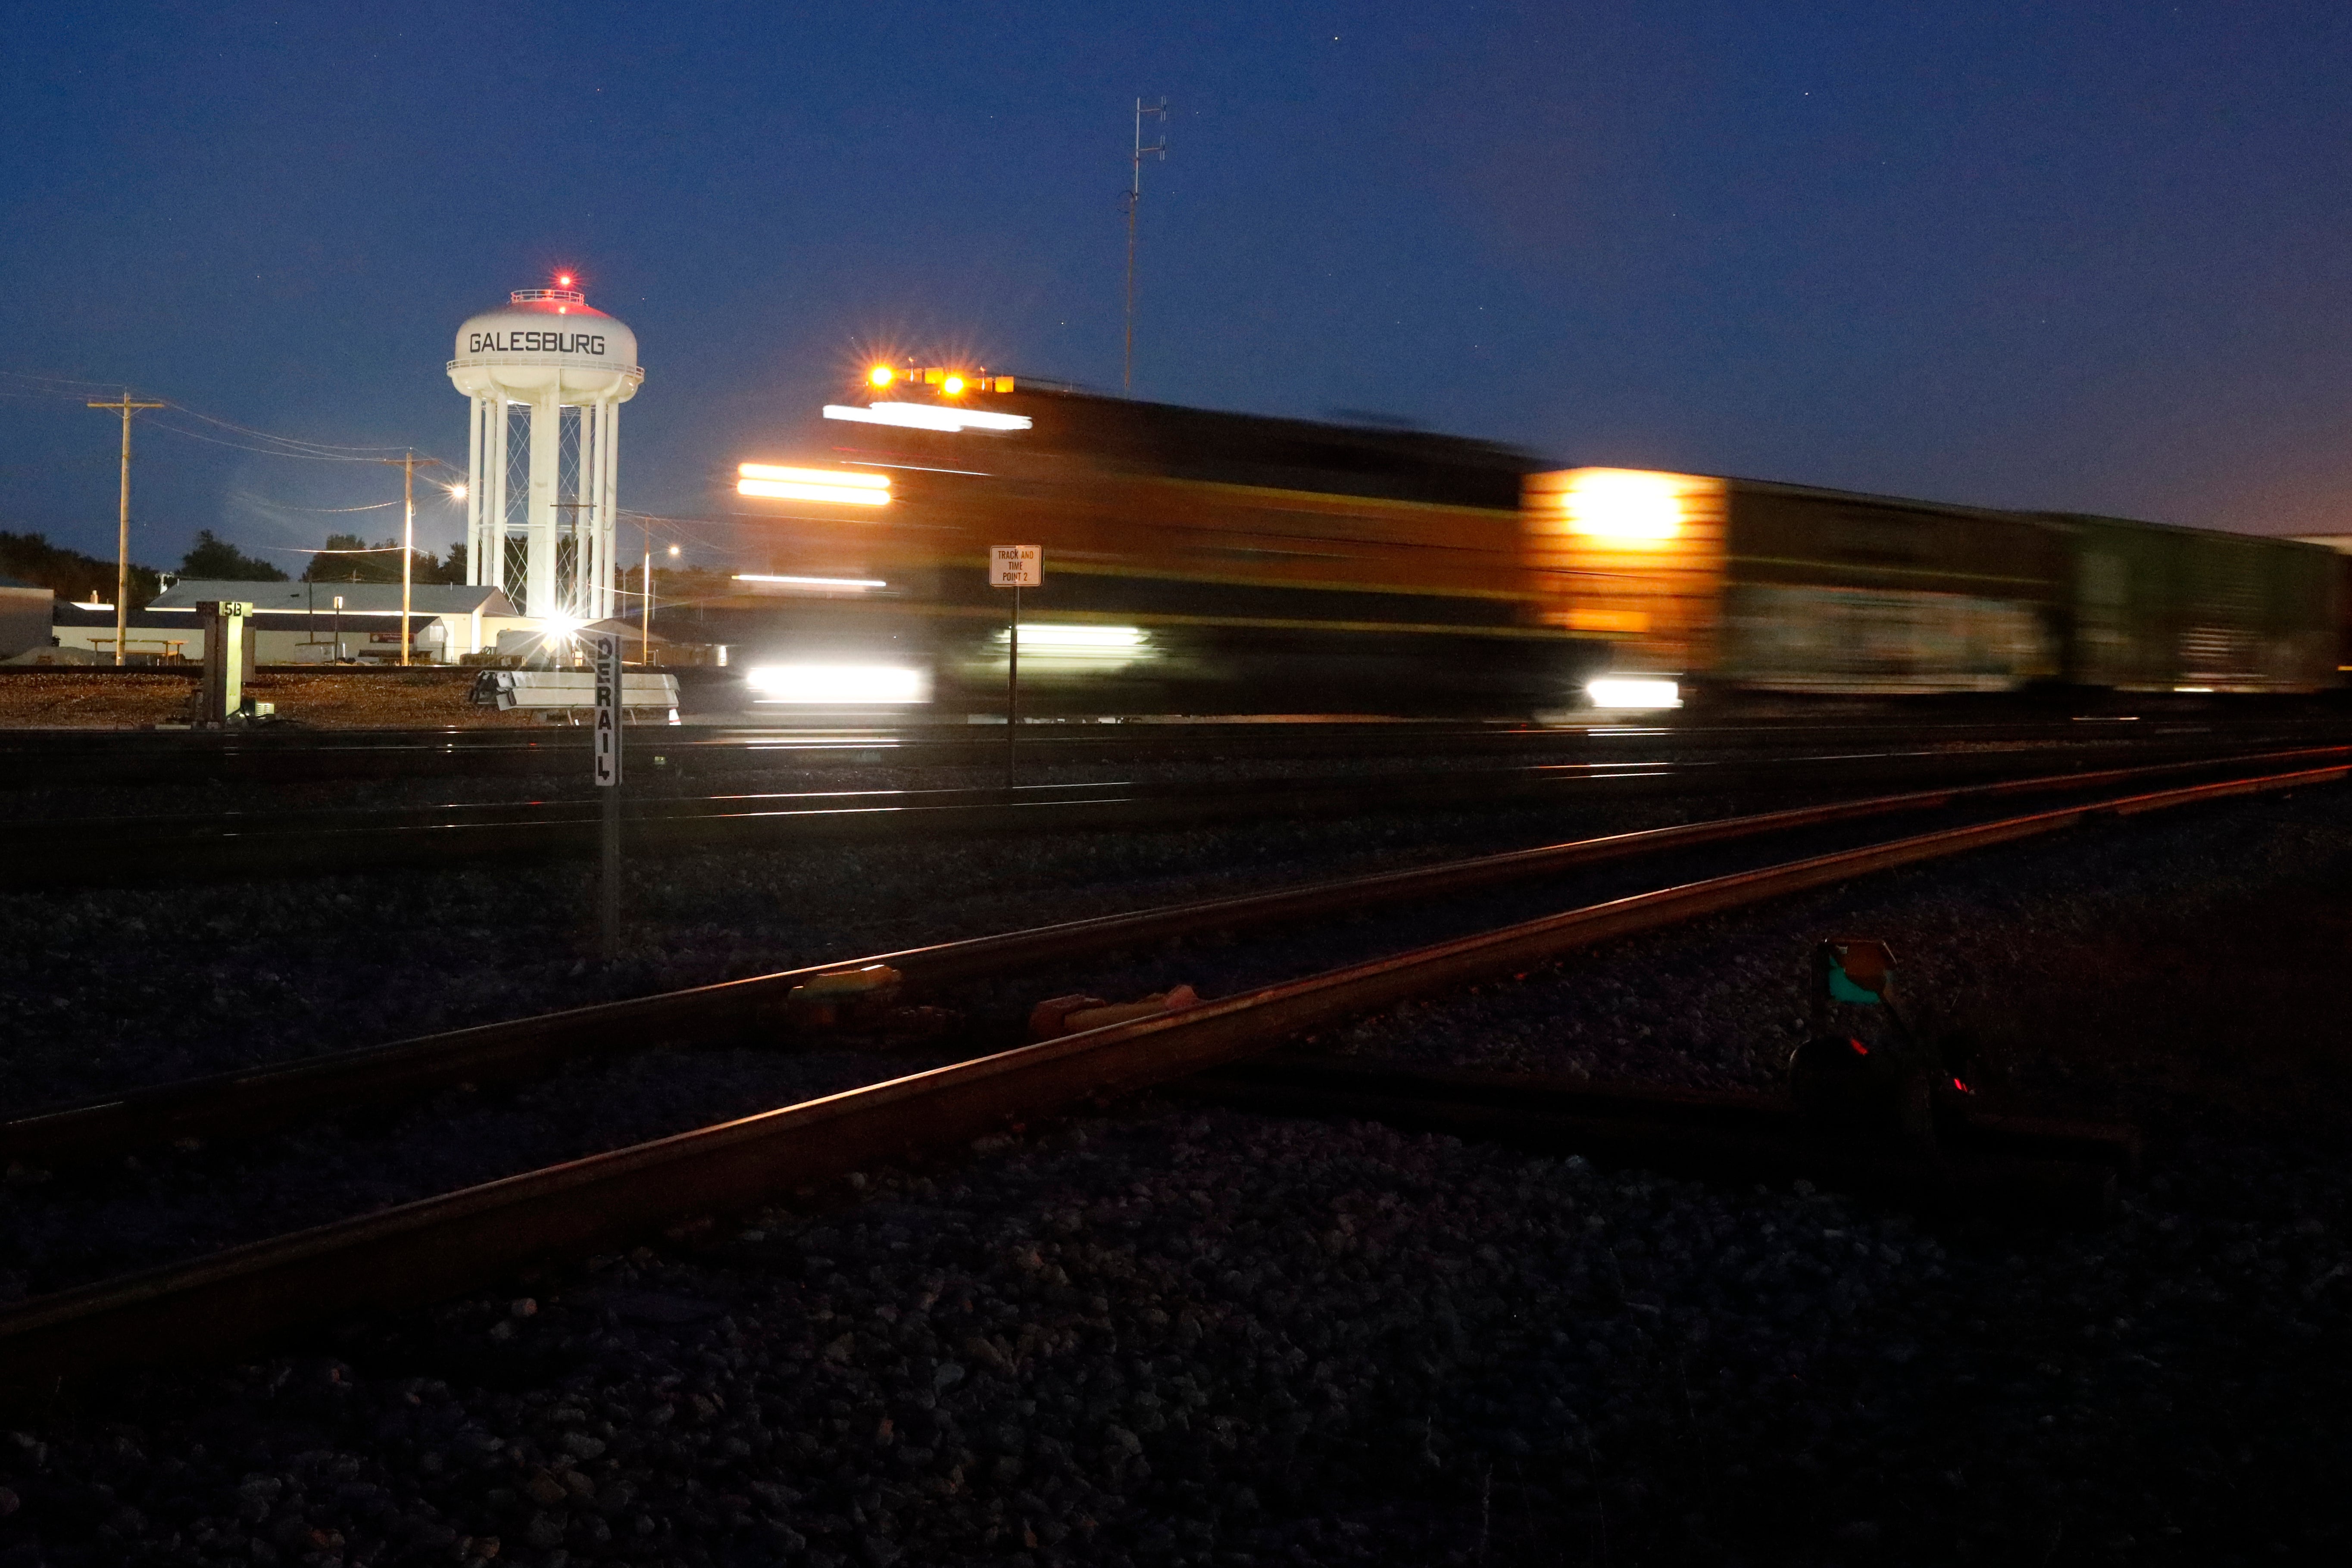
column 83, row 851
column 144, row 757
column 439, row 1245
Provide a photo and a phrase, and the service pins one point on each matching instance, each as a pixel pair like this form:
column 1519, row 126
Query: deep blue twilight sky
column 2091, row 256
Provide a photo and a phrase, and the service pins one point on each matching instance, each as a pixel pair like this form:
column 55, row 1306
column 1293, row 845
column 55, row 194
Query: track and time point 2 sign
column 1016, row 566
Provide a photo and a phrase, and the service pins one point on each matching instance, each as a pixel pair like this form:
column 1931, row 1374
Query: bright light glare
column 559, row 625
column 1623, row 504
column 860, row 584
column 926, row 417
column 673, row 549
column 840, row 685
column 457, row 492
column 880, row 376
column 952, row 386
column 1619, row 691
column 565, row 280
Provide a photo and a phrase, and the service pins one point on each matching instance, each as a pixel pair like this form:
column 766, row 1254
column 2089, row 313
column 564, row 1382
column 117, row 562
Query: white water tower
column 542, row 513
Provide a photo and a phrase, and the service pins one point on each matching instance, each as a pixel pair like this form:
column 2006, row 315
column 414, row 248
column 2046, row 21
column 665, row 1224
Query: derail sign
column 607, row 646
column 535, row 343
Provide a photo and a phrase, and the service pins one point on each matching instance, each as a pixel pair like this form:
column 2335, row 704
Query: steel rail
column 69, row 756
column 83, row 851
column 433, row 1248
column 247, row 1103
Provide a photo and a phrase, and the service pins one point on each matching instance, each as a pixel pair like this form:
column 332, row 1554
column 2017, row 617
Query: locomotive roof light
column 881, row 376
column 1625, row 506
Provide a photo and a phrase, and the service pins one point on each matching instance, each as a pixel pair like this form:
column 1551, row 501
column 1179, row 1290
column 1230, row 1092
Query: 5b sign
column 1016, row 566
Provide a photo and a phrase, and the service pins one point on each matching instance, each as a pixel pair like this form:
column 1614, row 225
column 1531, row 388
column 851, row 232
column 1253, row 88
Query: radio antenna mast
column 1134, row 199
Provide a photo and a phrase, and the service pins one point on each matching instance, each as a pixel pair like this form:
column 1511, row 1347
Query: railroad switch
column 1867, row 1075
column 863, row 1002
column 1059, row 1015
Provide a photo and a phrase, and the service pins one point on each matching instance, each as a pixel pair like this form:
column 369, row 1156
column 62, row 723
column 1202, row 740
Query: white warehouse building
column 299, row 623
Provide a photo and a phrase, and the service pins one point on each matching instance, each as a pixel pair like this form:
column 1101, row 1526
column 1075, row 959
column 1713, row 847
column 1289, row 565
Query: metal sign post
column 1015, row 566
column 605, row 647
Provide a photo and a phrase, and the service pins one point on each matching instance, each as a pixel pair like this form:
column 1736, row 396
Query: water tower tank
column 544, row 528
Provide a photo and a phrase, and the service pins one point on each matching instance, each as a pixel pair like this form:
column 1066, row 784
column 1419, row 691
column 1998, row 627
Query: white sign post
column 606, row 649
column 1015, row 566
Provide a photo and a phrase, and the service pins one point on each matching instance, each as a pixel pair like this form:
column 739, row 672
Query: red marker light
column 1859, row 1048
column 565, row 280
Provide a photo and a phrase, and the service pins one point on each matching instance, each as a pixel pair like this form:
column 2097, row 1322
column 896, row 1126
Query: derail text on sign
column 1016, row 566
column 607, row 646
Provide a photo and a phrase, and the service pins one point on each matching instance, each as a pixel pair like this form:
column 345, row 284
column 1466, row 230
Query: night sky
column 2086, row 256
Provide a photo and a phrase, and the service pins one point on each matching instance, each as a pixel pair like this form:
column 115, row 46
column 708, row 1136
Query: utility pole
column 1135, row 199
column 122, row 530
column 407, row 467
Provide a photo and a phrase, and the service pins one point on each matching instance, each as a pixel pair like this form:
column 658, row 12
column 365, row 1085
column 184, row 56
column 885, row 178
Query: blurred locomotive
column 1215, row 563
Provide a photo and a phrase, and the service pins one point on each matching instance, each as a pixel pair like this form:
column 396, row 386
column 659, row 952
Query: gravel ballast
column 1167, row 1335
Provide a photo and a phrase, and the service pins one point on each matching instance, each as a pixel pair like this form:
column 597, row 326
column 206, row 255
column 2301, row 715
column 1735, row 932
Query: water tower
column 541, row 512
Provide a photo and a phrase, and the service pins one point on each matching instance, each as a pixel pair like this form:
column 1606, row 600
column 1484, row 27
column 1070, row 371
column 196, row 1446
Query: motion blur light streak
column 771, row 490
column 855, row 479
column 925, row 416
column 1048, row 633
column 768, row 480
column 1623, row 504
column 1619, row 691
column 840, row 685
column 1052, row 646
column 858, row 584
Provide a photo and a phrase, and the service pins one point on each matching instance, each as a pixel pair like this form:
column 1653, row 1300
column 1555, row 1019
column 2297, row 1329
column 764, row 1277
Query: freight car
column 1737, row 584
column 1207, row 562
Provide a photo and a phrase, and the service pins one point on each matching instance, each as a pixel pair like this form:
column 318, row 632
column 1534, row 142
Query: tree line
column 73, row 574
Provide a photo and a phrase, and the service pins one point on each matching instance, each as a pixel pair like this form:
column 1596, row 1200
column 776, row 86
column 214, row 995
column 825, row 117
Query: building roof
column 359, row 598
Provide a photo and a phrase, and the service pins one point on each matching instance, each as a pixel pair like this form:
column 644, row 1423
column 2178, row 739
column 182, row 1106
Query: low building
column 302, row 623
column 84, row 632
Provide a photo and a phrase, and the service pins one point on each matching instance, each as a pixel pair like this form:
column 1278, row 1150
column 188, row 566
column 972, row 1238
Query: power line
column 280, row 506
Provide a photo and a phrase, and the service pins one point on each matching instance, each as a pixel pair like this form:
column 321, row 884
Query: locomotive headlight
column 1625, row 691
column 1623, row 505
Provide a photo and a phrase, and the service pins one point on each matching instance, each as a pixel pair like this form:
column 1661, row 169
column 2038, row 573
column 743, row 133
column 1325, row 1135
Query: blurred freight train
column 1213, row 562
